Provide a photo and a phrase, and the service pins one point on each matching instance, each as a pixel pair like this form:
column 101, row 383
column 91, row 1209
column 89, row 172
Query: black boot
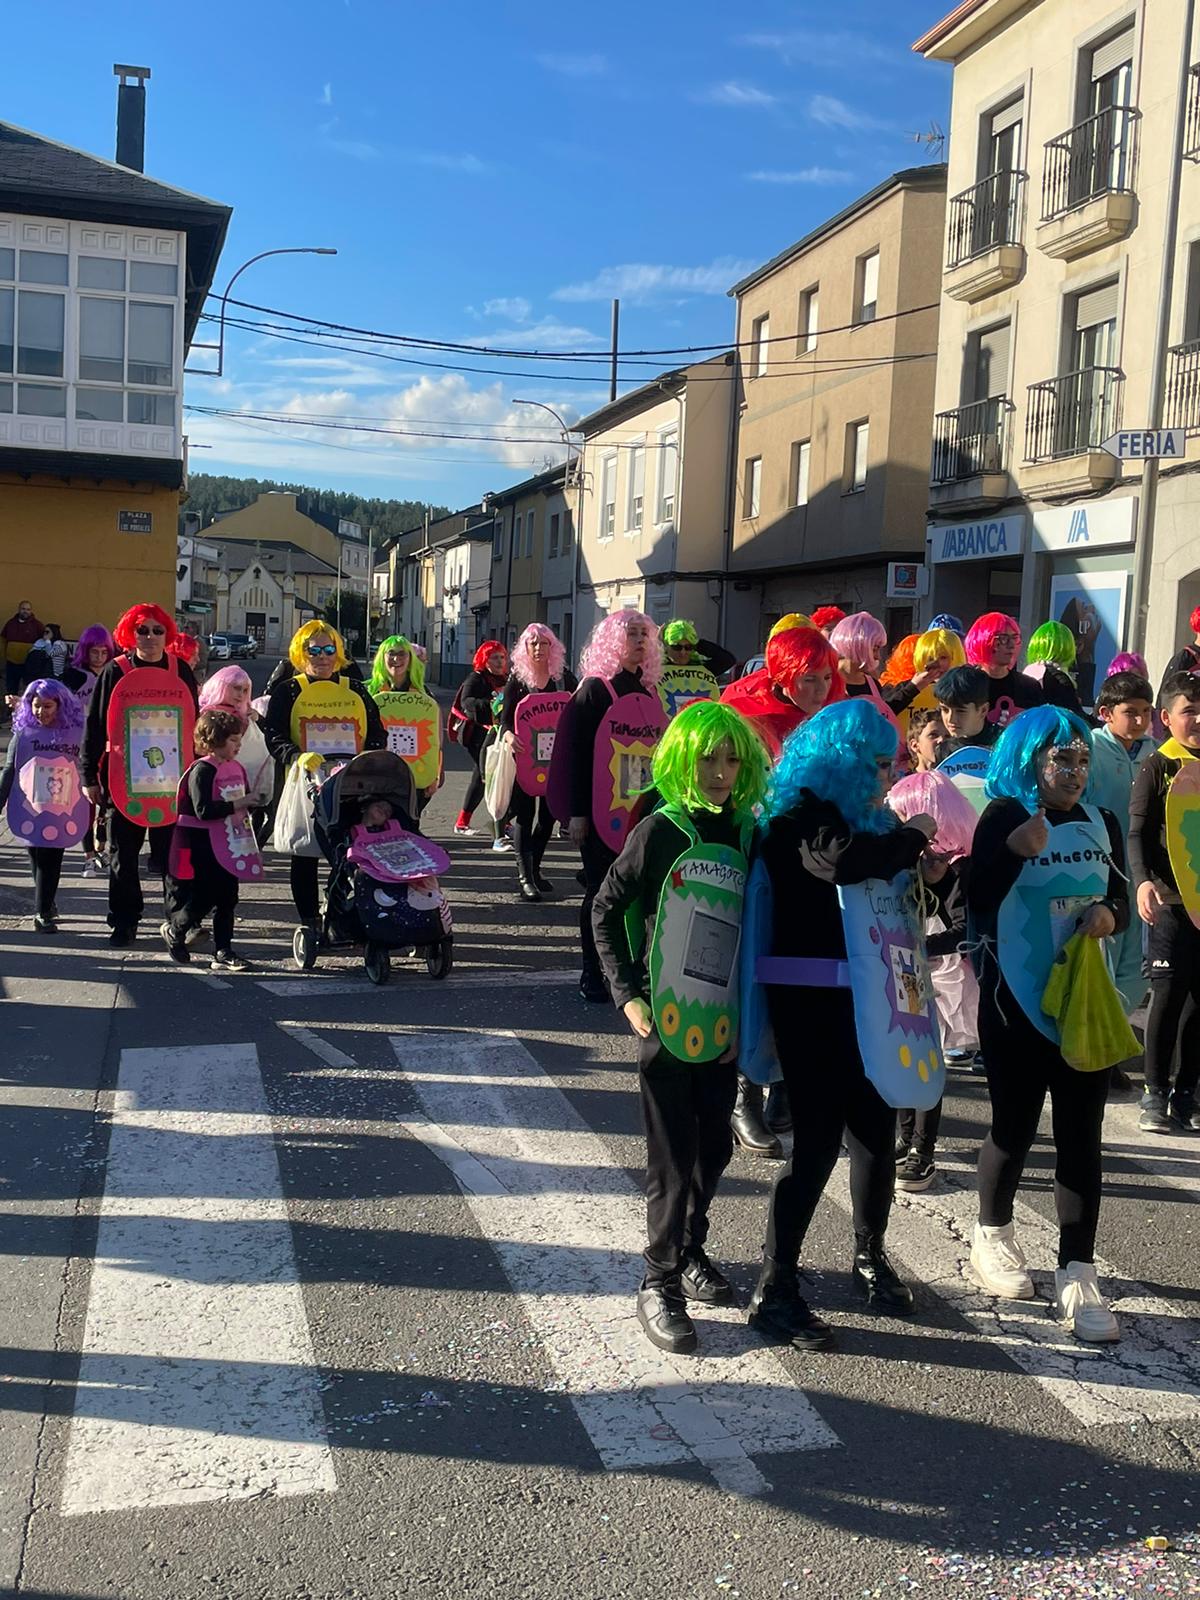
column 702, row 1281
column 662, row 1312
column 538, row 876
column 593, row 988
column 526, row 888
column 874, row 1277
column 747, row 1123
column 780, row 1313
column 777, row 1113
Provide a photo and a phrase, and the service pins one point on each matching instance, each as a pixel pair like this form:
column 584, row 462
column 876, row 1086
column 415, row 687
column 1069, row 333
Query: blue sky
column 489, row 173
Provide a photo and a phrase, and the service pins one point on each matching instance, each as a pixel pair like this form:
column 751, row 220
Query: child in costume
column 47, row 728
column 209, row 886
column 538, row 667
column 964, row 696
column 1173, row 1026
column 1050, row 661
column 926, row 738
column 827, row 826
column 677, row 989
column 944, row 869
column 993, row 642
column 1045, row 865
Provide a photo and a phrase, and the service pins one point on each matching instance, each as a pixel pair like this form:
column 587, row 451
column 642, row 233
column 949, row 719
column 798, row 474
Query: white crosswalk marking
column 568, row 1227
column 197, row 1380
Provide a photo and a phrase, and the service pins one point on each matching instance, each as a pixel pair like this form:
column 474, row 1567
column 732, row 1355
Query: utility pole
column 370, row 589
column 616, row 328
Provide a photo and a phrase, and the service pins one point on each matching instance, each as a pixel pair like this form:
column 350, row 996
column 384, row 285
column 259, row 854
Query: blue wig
column 952, row 624
column 1013, row 770
column 835, row 755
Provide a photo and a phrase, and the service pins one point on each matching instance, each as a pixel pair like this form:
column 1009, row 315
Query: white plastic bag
column 499, row 774
column 259, row 767
column 295, row 822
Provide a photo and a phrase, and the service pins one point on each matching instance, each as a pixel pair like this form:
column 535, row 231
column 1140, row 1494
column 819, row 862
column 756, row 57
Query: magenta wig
column 1130, row 661
column 861, row 640
column 70, row 707
column 215, row 689
column 981, row 636
column 96, row 634
column 556, row 653
column 602, row 653
column 932, row 794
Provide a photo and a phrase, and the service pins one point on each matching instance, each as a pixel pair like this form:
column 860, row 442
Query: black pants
column 597, row 858
column 1173, row 1026
column 305, row 874
column 211, row 889
column 474, row 746
column 125, row 900
column 532, row 825
column 46, row 865
column 95, row 840
column 1022, row 1066
column 919, row 1129
column 685, row 1112
column 830, row 1097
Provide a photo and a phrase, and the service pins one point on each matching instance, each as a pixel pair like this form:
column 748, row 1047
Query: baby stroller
column 382, row 891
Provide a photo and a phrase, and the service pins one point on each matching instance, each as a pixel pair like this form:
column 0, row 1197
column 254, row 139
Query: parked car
column 232, row 646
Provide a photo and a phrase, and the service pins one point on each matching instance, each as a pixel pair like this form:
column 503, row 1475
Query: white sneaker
column 502, row 846
column 465, row 833
column 1079, row 1303
column 999, row 1263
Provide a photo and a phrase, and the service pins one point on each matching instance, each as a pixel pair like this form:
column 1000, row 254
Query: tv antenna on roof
column 934, row 140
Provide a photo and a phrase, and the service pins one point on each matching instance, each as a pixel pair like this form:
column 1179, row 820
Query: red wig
column 125, row 632
column 486, row 649
column 1194, row 619
column 186, row 646
column 827, row 617
column 803, row 650
column 981, row 636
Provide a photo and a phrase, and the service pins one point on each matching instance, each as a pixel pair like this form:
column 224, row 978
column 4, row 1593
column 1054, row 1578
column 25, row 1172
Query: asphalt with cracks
column 313, row 1289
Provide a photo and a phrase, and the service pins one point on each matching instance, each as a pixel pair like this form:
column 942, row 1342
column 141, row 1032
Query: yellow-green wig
column 379, row 672
column 938, row 642
column 309, row 631
column 680, row 631
column 697, row 731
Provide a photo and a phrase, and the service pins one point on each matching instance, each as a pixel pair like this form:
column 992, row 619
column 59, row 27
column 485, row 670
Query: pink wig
column 215, row 690
column 602, row 653
column 981, row 636
column 859, row 639
column 932, row 794
column 125, row 632
column 1131, row 661
column 557, row 654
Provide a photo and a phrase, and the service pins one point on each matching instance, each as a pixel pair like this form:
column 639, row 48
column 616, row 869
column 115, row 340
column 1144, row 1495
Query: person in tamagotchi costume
column 538, row 688
column 411, row 717
column 799, row 677
column 827, row 828
column 39, row 785
column 993, row 642
column 667, row 921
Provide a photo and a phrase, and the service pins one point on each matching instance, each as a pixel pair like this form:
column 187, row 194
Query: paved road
column 313, row 1289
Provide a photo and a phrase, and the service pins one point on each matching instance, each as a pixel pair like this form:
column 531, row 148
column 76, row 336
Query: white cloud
column 813, row 47
column 326, row 95
column 642, row 281
column 365, row 150
column 548, row 334
column 831, row 112
column 517, row 308
column 573, row 66
column 816, row 175
column 733, row 93
column 445, row 160
column 356, row 149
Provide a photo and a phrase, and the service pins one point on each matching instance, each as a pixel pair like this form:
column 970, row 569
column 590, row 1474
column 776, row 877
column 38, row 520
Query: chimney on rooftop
column 131, row 116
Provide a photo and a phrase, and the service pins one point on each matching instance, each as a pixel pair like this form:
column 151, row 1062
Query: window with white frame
column 635, row 503
column 668, row 473
column 857, row 439
column 810, row 310
column 555, row 524
column 608, row 495
column 867, row 288
column 798, row 488
column 760, row 346
column 752, row 492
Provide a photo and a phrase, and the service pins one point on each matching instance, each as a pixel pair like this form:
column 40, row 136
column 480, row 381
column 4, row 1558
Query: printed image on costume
column 1183, row 835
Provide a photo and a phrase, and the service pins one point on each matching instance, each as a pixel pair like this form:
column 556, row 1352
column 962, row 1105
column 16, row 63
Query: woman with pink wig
column 623, row 657
column 538, row 667
column 944, row 869
column 230, row 689
column 993, row 642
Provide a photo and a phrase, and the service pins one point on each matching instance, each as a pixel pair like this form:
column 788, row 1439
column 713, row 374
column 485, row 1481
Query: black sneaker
column 593, row 989
column 176, row 948
column 780, row 1313
column 662, row 1312
column 704, row 1282
column 122, row 938
column 915, row 1173
column 1182, row 1111
column 229, row 961
column 45, row 925
column 1154, row 1118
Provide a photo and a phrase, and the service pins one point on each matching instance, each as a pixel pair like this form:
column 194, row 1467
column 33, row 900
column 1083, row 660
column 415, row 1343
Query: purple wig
column 70, row 707
column 1129, row 661
column 215, row 688
column 556, row 653
column 601, row 656
column 861, row 640
column 96, row 634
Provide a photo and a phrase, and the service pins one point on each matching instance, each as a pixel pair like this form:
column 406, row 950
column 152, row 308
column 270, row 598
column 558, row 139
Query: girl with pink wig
column 993, row 642
column 944, row 870
column 538, row 667
column 623, row 656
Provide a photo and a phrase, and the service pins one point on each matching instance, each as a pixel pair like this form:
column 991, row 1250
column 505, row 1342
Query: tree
column 354, row 616
column 209, row 493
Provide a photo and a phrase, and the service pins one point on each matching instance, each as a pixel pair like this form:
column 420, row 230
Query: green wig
column 697, row 731
column 1053, row 641
column 379, row 672
column 680, row 631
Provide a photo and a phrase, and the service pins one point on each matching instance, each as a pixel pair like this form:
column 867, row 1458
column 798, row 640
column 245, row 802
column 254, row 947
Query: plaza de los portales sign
column 986, row 539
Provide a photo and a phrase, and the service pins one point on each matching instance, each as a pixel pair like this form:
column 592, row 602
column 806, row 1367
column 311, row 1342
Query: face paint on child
column 1063, row 775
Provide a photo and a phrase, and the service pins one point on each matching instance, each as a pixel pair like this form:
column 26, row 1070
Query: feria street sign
column 1147, row 444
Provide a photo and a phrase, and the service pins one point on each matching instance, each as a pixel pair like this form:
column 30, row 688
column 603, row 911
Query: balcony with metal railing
column 1181, row 402
column 1088, row 176
column 970, row 455
column 1067, row 420
column 984, row 251
column 1191, row 127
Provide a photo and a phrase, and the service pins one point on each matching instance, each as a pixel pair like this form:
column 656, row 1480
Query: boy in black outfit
column 964, row 695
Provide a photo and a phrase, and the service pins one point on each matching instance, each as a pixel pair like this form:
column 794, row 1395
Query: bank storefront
column 976, row 566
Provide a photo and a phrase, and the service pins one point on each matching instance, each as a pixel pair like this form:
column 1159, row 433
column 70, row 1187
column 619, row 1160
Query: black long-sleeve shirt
column 1059, row 689
column 578, row 725
column 516, row 689
column 637, row 875
column 715, row 657
column 277, row 724
column 1149, row 861
column 950, row 896
column 1022, row 691
column 95, row 731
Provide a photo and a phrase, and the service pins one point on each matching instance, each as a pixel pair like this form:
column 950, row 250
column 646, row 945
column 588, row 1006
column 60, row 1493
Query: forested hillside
column 209, row 493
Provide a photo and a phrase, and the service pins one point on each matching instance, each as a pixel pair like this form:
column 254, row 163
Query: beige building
column 651, row 482
column 533, row 557
column 835, row 340
column 1062, row 163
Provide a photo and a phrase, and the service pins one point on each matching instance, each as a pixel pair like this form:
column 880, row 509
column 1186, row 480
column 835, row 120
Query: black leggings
column 1022, row 1065
column 919, row 1129
column 474, row 795
column 305, row 874
column 46, row 865
column 212, row 889
column 1173, row 1026
column 830, row 1096
column 532, row 825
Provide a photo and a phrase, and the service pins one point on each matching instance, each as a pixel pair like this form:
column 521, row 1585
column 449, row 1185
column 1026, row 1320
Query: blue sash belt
column 809, row 972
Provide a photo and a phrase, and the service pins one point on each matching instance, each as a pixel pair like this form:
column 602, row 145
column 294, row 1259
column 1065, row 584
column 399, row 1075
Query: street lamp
column 219, row 347
column 542, row 406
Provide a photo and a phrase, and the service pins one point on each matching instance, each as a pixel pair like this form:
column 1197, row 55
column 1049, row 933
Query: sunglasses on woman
column 146, row 632
column 321, row 649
